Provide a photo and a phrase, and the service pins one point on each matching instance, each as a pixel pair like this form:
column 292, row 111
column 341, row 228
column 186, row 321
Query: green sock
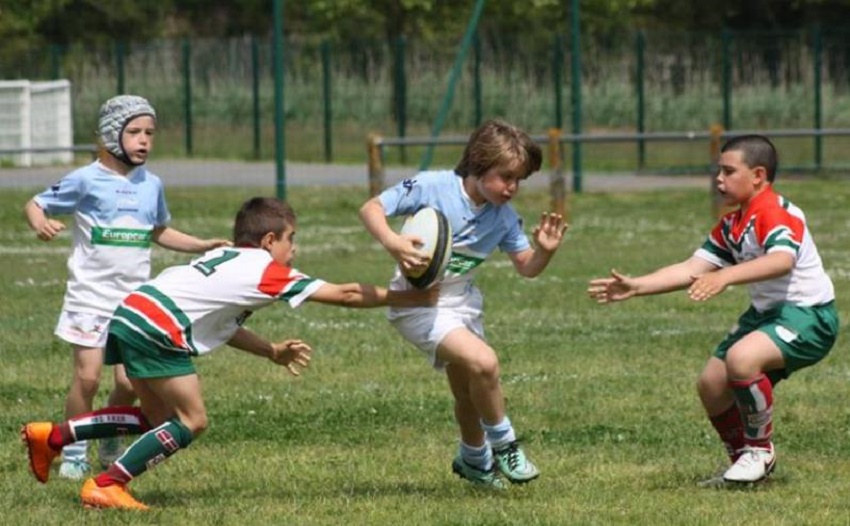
column 149, row 450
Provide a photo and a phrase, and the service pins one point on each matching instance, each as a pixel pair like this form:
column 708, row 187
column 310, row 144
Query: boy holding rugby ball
column 475, row 198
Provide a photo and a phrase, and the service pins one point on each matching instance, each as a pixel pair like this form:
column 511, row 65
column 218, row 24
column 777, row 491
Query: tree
column 94, row 21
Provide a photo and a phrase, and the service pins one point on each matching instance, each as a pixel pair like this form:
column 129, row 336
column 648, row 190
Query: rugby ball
column 433, row 228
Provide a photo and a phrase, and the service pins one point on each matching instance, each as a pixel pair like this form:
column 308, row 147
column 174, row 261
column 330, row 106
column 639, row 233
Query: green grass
column 603, row 396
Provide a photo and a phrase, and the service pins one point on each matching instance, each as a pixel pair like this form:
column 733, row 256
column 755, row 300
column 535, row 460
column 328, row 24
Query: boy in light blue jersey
column 475, row 198
column 119, row 210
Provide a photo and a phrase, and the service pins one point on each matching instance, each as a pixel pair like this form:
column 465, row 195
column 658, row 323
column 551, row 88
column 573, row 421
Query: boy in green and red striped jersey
column 119, row 213
column 791, row 323
column 186, row 311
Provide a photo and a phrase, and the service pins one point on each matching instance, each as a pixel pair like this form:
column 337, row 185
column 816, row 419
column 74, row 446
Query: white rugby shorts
column 82, row 328
column 425, row 327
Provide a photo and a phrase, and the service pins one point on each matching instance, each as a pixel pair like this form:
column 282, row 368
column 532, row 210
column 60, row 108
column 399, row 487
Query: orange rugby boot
column 115, row 496
column 41, row 455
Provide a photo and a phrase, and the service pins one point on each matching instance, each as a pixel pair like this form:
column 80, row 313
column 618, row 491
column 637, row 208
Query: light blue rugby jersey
column 477, row 231
column 114, row 218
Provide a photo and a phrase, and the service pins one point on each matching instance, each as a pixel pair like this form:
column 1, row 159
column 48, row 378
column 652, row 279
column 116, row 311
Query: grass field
column 603, row 397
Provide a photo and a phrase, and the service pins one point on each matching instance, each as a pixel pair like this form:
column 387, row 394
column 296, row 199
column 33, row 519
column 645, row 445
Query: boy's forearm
column 667, row 279
column 247, row 341
column 762, row 268
column 537, row 263
column 373, row 218
column 404, row 298
column 658, row 283
column 351, row 295
column 174, row 239
column 34, row 214
column 369, row 296
column 362, row 295
column 672, row 277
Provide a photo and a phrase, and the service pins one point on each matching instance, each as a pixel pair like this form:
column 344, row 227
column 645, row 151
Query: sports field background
column 603, row 397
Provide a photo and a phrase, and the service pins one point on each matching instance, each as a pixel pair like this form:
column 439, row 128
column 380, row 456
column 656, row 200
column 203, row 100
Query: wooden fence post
column 716, row 132
column 557, row 184
column 376, row 164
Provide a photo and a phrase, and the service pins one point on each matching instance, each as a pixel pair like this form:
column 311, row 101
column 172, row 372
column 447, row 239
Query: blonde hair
column 497, row 143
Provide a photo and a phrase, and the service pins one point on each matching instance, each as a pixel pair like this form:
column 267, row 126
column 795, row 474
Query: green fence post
column 818, row 59
column 279, row 101
column 476, row 80
column 640, row 50
column 326, row 99
column 558, row 80
column 119, row 65
column 465, row 44
column 55, row 61
column 726, row 49
column 255, row 94
column 576, row 94
column 400, row 92
column 187, row 93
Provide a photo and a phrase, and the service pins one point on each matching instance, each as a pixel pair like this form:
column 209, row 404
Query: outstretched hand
column 618, row 287
column 292, row 354
column 549, row 233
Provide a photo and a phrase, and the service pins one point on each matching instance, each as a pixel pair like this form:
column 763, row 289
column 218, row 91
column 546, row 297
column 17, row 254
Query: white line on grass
column 33, row 251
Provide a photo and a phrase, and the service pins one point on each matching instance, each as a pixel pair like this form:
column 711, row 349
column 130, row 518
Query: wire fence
column 215, row 96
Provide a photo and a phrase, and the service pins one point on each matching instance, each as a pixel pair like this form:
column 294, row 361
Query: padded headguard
column 114, row 116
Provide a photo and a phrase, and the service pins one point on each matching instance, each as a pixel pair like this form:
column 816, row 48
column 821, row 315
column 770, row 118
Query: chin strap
column 124, row 158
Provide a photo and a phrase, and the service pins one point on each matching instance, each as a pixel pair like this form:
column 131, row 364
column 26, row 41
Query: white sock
column 480, row 457
column 501, row 434
column 75, row 452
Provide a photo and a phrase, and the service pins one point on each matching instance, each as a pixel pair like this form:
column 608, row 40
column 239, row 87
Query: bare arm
column 401, row 248
column 174, row 239
column 360, row 295
column 289, row 353
column 619, row 287
column 769, row 266
column 547, row 236
column 45, row 228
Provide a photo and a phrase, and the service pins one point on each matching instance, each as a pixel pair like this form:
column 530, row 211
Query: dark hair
column 757, row 150
column 257, row 217
column 496, row 142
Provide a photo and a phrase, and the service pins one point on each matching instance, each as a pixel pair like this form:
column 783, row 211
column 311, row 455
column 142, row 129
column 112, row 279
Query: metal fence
column 555, row 140
column 215, row 96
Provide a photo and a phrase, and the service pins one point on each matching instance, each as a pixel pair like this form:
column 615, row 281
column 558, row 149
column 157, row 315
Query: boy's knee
column 88, row 384
column 741, row 366
column 485, row 366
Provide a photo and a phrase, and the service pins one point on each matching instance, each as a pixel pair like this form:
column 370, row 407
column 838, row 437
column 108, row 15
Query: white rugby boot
column 754, row 464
